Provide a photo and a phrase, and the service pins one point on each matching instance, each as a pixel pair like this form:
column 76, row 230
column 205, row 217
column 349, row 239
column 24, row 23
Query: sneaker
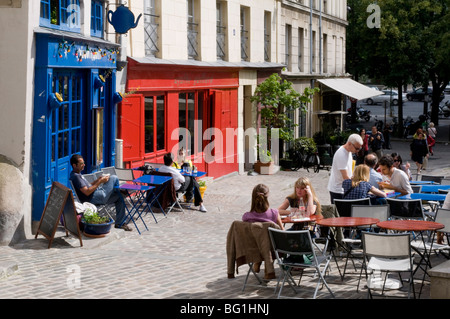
column 202, row 208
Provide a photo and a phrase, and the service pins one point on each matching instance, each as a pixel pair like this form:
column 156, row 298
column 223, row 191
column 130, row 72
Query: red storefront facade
column 169, row 106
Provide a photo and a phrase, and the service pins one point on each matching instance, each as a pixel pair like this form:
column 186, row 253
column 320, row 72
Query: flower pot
column 202, row 190
column 97, row 230
column 265, row 168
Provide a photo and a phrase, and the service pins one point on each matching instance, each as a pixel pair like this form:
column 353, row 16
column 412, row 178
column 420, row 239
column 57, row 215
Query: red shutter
column 131, row 127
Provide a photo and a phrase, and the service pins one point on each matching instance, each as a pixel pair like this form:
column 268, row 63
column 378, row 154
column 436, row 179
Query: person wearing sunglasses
column 341, row 168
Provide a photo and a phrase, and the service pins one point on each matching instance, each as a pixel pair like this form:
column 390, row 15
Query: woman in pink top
column 260, row 210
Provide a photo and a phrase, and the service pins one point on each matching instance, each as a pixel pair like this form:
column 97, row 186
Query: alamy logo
column 74, row 277
column 374, row 19
column 73, row 15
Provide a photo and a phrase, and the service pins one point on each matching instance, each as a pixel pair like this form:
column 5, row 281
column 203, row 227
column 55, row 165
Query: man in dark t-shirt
column 102, row 191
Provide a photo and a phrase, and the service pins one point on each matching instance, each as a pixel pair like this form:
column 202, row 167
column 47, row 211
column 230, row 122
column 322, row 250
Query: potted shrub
column 277, row 101
column 95, row 225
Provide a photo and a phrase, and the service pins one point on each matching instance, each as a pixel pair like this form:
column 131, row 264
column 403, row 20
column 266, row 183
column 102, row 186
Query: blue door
column 66, row 123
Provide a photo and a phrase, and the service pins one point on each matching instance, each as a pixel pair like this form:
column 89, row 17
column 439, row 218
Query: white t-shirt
column 178, row 179
column 446, row 204
column 401, row 180
column 342, row 159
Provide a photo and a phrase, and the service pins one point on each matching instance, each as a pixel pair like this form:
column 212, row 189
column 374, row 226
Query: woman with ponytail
column 260, row 210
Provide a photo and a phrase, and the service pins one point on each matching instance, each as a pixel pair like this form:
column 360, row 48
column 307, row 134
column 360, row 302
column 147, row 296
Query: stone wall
column 11, row 202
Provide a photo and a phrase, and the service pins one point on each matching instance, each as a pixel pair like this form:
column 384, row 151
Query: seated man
column 183, row 183
column 375, row 177
column 100, row 192
column 397, row 179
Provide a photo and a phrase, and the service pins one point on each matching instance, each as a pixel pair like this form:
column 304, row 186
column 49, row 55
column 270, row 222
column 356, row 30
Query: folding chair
column 405, row 208
column 109, row 170
column 380, row 212
column 436, row 179
column 344, row 206
column 100, row 208
column 416, row 188
column 384, row 254
column 249, row 243
column 290, row 244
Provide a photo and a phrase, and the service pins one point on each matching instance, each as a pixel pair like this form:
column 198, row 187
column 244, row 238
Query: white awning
column 350, row 88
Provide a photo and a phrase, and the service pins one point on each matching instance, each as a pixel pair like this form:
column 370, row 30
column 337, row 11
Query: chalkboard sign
column 60, row 202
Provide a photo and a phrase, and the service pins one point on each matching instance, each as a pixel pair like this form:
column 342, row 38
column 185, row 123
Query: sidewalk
column 183, row 256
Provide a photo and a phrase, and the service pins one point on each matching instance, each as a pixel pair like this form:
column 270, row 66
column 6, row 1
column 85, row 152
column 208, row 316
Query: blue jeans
column 108, row 194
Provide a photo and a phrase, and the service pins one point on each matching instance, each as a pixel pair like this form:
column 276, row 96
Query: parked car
column 388, row 95
column 447, row 89
column 419, row 94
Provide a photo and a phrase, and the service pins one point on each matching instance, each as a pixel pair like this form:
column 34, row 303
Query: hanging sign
column 122, row 19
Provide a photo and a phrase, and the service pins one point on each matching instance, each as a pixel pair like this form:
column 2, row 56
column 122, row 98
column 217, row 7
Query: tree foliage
column 410, row 47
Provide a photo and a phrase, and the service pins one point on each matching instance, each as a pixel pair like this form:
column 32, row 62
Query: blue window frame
column 61, row 15
column 97, row 18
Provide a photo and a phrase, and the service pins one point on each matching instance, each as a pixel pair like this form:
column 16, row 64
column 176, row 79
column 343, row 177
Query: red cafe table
column 347, row 222
column 420, row 226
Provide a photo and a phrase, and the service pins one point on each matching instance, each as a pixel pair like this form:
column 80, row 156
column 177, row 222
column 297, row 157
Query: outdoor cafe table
column 425, row 196
column 136, row 195
column 346, row 222
column 422, row 182
column 159, row 182
column 420, row 226
column 433, row 188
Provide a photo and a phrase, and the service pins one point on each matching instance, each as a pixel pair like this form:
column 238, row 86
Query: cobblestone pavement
column 183, row 256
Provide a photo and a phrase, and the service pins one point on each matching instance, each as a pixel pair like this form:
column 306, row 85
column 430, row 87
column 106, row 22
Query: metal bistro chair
column 299, row 244
column 405, row 208
column 384, row 254
column 344, row 206
column 436, row 179
column 416, row 188
column 100, row 208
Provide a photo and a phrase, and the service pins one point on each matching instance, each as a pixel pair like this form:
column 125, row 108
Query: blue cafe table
column 422, row 182
column 159, row 182
column 433, row 188
column 425, row 196
column 136, row 195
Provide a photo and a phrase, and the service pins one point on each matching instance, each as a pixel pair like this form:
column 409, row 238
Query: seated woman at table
column 358, row 186
column 302, row 190
column 183, row 183
column 260, row 210
column 181, row 159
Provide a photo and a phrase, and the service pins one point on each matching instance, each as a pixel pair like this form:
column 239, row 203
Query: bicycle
column 305, row 161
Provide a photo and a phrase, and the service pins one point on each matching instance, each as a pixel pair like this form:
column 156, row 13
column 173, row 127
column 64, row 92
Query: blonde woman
column 260, row 210
column 302, row 190
column 358, row 186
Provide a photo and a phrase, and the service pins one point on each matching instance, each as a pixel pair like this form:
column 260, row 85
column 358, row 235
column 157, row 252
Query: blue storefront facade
column 74, row 108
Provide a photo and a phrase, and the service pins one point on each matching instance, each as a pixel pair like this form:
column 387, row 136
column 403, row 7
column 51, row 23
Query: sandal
column 125, row 227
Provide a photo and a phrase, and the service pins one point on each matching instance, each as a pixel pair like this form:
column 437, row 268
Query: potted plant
column 277, row 101
column 286, row 162
column 202, row 188
column 96, row 225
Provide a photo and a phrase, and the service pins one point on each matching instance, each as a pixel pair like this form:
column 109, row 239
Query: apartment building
column 192, row 67
column 312, row 37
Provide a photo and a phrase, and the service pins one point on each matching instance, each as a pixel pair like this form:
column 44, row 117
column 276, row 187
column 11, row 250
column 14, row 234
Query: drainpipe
column 310, row 36
column 320, row 37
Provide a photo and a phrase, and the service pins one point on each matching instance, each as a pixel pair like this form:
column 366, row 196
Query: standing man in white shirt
column 341, row 169
column 183, row 183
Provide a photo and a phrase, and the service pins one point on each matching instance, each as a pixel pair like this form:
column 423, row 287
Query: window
column 245, row 27
column 192, row 30
column 288, row 47
column 154, row 123
column 221, row 30
column 151, row 28
column 190, row 106
column 301, row 48
column 97, row 18
column 267, row 24
column 60, row 14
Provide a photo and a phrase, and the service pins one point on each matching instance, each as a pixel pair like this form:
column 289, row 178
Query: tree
column 409, row 46
column 277, row 100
